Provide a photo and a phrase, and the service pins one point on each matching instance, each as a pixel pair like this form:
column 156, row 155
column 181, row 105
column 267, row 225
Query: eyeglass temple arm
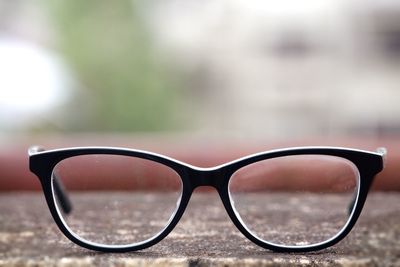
column 59, row 188
column 62, row 195
column 383, row 152
column 379, row 150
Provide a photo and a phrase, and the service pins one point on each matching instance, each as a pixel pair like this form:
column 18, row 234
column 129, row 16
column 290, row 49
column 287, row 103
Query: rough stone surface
column 204, row 237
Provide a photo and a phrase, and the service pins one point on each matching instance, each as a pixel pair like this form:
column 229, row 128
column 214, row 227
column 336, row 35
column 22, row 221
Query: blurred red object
column 15, row 174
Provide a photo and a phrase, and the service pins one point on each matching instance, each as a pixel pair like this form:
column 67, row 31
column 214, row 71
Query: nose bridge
column 206, row 177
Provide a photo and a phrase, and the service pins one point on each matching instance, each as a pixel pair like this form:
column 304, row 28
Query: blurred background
column 226, row 68
column 208, row 70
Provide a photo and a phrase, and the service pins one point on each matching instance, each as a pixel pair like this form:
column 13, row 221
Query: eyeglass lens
column 116, row 200
column 295, row 200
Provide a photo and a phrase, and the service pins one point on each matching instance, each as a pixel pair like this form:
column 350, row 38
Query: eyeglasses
column 288, row 200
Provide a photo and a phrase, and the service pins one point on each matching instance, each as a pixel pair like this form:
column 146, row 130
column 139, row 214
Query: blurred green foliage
column 107, row 45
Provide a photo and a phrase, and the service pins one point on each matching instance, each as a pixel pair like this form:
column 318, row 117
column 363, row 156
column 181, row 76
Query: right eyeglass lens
column 116, row 200
column 296, row 200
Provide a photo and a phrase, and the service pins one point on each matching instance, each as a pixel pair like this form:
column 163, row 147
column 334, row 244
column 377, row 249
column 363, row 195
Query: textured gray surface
column 204, row 237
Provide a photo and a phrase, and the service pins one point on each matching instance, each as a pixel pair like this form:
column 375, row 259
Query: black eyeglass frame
column 42, row 163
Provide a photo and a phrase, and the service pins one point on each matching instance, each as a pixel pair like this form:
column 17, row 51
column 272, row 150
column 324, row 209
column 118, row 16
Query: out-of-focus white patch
column 32, row 82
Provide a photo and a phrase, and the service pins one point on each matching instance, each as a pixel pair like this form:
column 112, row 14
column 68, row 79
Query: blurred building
column 292, row 68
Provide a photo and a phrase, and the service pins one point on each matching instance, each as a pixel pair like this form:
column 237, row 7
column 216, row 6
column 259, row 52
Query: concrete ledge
column 204, row 237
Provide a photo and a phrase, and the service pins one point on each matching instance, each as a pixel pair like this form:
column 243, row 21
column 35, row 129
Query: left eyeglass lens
column 115, row 200
column 298, row 200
